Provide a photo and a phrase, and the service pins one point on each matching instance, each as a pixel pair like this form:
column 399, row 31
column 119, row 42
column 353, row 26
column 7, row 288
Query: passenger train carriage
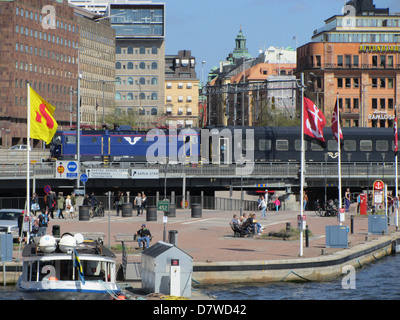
column 222, row 145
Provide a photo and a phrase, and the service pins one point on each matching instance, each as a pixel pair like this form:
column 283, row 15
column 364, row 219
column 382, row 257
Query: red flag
column 335, row 126
column 396, row 143
column 314, row 123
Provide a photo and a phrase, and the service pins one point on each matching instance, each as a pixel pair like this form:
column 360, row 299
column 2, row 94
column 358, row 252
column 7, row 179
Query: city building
column 139, row 58
column 181, row 90
column 96, row 66
column 354, row 60
column 40, row 49
column 251, row 91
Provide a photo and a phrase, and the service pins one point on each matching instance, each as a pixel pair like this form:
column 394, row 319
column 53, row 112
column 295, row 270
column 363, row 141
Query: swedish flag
column 78, row 265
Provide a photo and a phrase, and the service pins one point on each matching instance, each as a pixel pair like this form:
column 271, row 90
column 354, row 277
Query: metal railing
column 270, row 170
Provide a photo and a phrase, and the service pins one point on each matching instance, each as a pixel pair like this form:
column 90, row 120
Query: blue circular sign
column 84, row 177
column 72, row 166
column 47, row 189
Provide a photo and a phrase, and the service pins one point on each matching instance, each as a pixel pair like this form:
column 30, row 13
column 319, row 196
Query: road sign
column 378, row 185
column 67, row 169
column 47, row 189
column 163, row 205
column 84, row 177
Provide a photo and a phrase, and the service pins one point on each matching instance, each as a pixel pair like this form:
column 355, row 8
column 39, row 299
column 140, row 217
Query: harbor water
column 377, row 281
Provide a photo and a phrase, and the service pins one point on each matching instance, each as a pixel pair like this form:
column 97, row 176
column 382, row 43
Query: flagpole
column 339, row 159
column 396, row 172
column 302, row 166
column 28, row 161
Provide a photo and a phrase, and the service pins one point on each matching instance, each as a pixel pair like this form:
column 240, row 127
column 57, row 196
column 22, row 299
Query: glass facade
column 128, row 21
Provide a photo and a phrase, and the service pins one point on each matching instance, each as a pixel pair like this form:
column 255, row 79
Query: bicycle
column 319, row 211
column 97, row 210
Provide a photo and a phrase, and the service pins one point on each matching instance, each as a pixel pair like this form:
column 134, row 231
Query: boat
column 68, row 268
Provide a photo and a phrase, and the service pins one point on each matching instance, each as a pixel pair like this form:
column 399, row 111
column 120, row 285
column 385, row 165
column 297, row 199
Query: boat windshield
column 65, row 270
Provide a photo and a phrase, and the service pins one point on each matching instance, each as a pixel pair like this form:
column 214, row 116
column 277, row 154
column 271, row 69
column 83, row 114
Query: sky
column 209, row 27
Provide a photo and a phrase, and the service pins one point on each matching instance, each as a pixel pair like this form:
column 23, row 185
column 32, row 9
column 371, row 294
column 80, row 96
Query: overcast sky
column 209, row 27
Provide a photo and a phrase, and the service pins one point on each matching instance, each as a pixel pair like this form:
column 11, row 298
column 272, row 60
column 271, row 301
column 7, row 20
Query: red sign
column 378, row 185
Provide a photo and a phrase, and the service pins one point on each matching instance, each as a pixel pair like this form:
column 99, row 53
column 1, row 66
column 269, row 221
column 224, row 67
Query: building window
column 355, row 61
column 154, row 50
column 154, row 96
column 374, row 104
column 130, row 80
column 356, row 103
column 169, row 85
column 383, row 104
column 374, row 61
column 390, row 83
column 339, row 82
column 129, row 96
column 118, row 65
column 142, row 65
column 153, row 111
column 180, row 99
column 130, row 65
column 347, row 103
column 169, row 98
column 318, row 61
column 348, row 82
column 130, row 50
column 154, row 66
column 390, row 103
column 142, row 50
column 154, row 81
column 142, row 80
column 340, row 61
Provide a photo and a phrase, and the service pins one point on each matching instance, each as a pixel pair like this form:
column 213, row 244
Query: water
column 377, row 281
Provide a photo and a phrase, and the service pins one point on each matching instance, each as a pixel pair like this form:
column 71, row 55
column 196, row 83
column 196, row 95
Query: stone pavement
column 210, row 238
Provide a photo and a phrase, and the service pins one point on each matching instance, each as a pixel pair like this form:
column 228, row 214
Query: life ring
column 186, row 204
column 52, row 279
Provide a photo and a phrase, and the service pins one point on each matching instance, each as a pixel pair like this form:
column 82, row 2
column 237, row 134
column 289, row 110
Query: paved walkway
column 210, row 238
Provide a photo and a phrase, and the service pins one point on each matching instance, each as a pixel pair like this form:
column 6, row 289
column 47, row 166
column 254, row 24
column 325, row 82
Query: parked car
column 9, row 221
column 20, row 147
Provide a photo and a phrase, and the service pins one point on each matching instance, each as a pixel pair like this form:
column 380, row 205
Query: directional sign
column 145, row 173
column 163, row 205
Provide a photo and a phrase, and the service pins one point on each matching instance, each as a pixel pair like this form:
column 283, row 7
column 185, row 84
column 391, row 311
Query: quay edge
column 322, row 268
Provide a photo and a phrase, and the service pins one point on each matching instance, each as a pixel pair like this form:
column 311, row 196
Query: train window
column 70, row 139
column 282, row 145
column 365, row 145
column 297, row 145
column 94, row 140
column 350, row 145
column 332, row 145
column 316, row 147
column 264, row 144
column 382, row 145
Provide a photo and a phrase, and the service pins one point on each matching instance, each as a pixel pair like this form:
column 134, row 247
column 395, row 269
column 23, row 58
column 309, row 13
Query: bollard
column 172, row 210
column 84, row 213
column 307, row 242
column 151, row 213
column 127, row 209
column 352, row 224
column 288, row 226
column 196, row 210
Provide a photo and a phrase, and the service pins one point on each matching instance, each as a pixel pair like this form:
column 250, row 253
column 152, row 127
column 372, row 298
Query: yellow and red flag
column 43, row 125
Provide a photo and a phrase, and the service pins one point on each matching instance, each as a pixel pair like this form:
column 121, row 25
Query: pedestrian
column 73, row 199
column 138, row 203
column 69, row 208
column 263, row 207
column 347, row 200
column 21, row 233
column 60, row 205
column 277, row 204
column 43, row 223
column 118, row 201
column 266, row 198
column 35, row 204
column 144, row 202
column 305, row 200
column 144, row 236
column 51, row 203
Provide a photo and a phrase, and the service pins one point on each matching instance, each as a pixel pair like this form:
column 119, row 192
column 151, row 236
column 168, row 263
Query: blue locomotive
column 222, row 145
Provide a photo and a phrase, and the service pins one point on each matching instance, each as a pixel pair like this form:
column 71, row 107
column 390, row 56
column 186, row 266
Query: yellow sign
column 379, row 48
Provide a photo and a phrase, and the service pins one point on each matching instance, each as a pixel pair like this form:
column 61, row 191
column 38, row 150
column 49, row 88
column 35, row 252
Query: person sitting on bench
column 144, row 237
